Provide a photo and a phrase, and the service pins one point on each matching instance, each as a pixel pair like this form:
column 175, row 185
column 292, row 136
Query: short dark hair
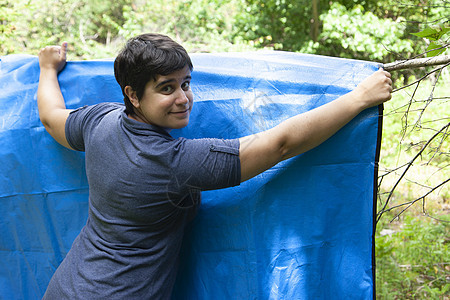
column 145, row 57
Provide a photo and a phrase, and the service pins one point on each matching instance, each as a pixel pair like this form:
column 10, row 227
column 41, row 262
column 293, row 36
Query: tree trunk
column 315, row 20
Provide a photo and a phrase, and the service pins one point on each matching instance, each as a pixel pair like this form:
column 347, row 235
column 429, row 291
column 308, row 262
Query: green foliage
column 85, row 24
column 10, row 20
column 412, row 262
column 97, row 28
column 370, row 29
column 436, row 37
column 279, row 24
column 433, row 34
column 202, row 25
column 359, row 34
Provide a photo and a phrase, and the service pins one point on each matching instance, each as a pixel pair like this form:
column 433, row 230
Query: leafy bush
column 359, row 34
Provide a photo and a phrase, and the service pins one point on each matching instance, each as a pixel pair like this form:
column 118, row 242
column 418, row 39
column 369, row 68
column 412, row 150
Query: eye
column 167, row 89
column 186, row 85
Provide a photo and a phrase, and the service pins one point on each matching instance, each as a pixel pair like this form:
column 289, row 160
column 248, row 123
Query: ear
column 132, row 96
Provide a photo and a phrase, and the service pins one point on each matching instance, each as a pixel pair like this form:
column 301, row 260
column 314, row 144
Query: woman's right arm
column 261, row 151
column 52, row 109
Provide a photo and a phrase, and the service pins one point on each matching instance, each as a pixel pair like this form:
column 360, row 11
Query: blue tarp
column 301, row 230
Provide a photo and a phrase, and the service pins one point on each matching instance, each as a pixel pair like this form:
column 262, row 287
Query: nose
column 182, row 97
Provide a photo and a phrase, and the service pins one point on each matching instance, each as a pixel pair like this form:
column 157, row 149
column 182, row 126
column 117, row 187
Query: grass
column 412, row 237
column 413, row 259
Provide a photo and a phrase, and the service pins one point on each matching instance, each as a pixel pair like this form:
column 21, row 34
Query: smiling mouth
column 179, row 112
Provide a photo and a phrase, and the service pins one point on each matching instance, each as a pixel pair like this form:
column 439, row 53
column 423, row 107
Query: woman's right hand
column 53, row 57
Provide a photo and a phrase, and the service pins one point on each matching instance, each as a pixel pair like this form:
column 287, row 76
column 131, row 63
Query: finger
column 380, row 69
column 45, row 49
column 63, row 51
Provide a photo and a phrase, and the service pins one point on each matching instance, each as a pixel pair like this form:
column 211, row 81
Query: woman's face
column 167, row 101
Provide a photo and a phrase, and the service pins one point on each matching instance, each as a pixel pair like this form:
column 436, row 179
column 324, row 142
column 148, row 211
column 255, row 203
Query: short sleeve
column 206, row 164
column 82, row 120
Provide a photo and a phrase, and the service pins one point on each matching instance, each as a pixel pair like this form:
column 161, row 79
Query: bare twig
column 437, row 219
column 410, row 203
column 430, row 98
column 423, row 77
column 409, row 164
column 408, row 110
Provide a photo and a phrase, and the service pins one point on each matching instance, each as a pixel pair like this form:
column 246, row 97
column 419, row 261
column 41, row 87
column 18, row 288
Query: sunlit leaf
column 433, row 45
column 432, row 34
column 429, row 33
column 444, row 31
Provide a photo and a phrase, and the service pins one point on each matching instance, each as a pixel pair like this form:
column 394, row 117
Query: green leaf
column 428, row 33
column 432, row 34
column 436, row 52
column 444, row 31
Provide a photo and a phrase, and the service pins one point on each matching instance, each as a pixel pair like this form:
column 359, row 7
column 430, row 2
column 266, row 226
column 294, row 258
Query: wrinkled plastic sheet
column 301, row 230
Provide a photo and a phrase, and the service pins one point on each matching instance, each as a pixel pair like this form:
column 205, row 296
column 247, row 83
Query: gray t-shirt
column 144, row 187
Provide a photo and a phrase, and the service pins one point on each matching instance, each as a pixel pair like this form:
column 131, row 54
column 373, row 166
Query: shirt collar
column 142, row 128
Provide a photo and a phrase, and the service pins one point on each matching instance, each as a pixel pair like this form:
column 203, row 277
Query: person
column 144, row 185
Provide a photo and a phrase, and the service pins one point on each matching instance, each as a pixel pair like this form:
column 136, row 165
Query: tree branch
column 410, row 203
column 416, row 63
column 409, row 164
column 423, row 77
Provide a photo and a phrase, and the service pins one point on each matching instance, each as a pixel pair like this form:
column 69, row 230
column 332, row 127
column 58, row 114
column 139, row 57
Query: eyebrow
column 171, row 80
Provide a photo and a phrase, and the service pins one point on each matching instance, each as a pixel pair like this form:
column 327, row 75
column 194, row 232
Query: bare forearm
column 303, row 132
column 294, row 136
column 309, row 130
column 306, row 131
